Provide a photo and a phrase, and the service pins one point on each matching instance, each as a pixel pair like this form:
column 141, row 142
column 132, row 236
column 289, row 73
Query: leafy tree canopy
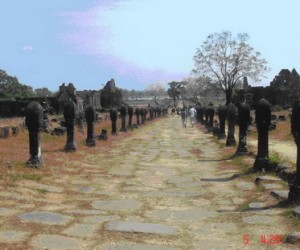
column 227, row 59
column 10, row 87
column 176, row 90
column 43, row 92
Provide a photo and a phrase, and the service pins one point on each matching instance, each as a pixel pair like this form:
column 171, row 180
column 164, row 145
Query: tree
column 155, row 90
column 10, row 87
column 195, row 89
column 175, row 90
column 43, row 92
column 227, row 59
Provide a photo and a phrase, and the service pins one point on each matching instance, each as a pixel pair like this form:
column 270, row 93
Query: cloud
column 134, row 39
column 27, row 48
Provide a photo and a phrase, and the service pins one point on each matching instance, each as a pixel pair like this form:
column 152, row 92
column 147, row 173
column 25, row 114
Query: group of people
column 185, row 113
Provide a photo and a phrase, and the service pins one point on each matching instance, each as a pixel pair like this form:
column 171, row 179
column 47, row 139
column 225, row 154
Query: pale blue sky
column 137, row 42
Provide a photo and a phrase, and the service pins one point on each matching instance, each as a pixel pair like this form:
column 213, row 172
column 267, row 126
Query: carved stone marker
column 137, row 113
column 123, row 113
column 206, row 114
column 211, row 114
column 151, row 110
column 34, row 120
column 113, row 117
column 222, row 118
column 263, row 121
column 143, row 115
column 158, row 112
column 201, row 114
column 244, row 121
column 70, row 115
column 103, row 135
column 130, row 114
column 294, row 193
column 231, row 118
column 90, row 117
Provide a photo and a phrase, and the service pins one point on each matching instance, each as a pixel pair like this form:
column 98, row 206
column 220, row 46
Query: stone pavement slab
column 45, row 217
column 137, row 227
column 56, row 242
column 117, row 205
column 13, row 236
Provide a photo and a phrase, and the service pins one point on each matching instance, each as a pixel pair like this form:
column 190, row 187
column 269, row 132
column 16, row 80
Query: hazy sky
column 137, row 42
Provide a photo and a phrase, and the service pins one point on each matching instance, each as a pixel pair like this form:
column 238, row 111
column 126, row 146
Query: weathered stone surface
column 183, row 215
column 45, row 217
column 117, row 205
column 134, row 246
column 7, row 212
column 86, row 212
column 245, row 185
column 297, row 211
column 267, row 179
column 101, row 219
column 271, row 186
column 214, row 229
column 57, row 242
column 13, row 236
column 175, row 193
column 35, row 185
column 179, row 179
column 256, row 205
column 238, row 201
column 136, row 227
column 293, row 238
column 81, row 230
column 280, row 194
column 258, row 219
column 86, row 189
column 216, row 244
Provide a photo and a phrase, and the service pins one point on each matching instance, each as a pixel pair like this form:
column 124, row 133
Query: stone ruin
column 110, row 96
column 67, row 93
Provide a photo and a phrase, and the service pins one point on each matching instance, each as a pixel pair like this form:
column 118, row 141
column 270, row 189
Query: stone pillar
column 34, row 121
column 123, row 117
column 113, row 117
column 90, row 116
column 211, row 114
column 201, row 114
column 142, row 113
column 231, row 118
column 151, row 113
column 294, row 194
column 244, row 121
column 206, row 114
column 222, row 112
column 198, row 114
column 155, row 113
column 130, row 114
column 137, row 113
column 103, row 135
column 70, row 115
column 263, row 121
column 159, row 111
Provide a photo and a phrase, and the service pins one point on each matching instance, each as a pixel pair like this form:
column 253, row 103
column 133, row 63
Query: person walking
column 192, row 114
column 184, row 115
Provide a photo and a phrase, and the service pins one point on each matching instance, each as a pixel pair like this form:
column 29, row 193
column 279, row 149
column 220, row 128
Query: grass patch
column 275, row 158
column 25, row 176
column 292, row 218
column 42, row 191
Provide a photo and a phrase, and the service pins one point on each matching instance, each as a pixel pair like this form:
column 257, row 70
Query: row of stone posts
column 263, row 122
column 34, row 120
